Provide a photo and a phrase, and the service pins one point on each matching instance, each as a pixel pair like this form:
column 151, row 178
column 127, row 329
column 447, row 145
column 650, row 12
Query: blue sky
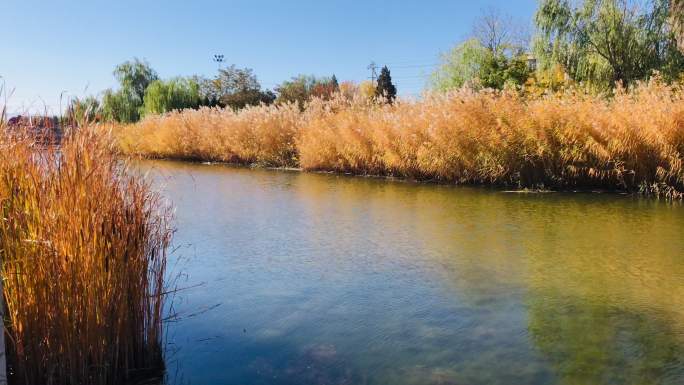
column 51, row 46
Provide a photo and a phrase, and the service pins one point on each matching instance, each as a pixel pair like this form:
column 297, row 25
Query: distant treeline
column 141, row 92
column 588, row 45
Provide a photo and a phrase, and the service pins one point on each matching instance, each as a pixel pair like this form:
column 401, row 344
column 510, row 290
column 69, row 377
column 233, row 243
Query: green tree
column 677, row 21
column 475, row 65
column 135, row 75
column 122, row 106
column 460, row 67
column 602, row 42
column 385, row 88
column 498, row 71
column 125, row 104
column 174, row 94
column 495, row 57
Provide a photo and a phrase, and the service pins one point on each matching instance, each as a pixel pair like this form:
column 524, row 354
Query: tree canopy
column 494, row 57
column 122, row 106
column 125, row 104
column 135, row 75
column 174, row 94
column 677, row 21
column 601, row 42
column 235, row 88
column 460, row 67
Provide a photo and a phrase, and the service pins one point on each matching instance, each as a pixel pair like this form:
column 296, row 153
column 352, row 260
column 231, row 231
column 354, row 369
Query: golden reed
column 632, row 141
column 83, row 246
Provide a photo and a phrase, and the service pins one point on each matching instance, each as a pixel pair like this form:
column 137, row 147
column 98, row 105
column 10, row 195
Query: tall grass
column 262, row 135
column 83, row 248
column 632, row 141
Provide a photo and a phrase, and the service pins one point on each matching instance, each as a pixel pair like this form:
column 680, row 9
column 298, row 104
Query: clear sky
column 50, row 46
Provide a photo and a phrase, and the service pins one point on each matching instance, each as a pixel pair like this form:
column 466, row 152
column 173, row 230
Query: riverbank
column 632, row 142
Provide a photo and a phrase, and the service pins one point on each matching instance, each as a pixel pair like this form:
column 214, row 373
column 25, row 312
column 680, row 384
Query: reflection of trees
column 596, row 281
column 601, row 276
column 605, row 300
column 595, row 343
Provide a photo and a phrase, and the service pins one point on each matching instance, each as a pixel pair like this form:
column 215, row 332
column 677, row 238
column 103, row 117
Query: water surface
column 326, row 279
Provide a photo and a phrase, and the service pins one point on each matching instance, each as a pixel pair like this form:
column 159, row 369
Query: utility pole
column 218, row 58
column 374, row 74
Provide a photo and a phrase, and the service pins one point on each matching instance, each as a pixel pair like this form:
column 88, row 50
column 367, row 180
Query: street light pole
column 218, row 58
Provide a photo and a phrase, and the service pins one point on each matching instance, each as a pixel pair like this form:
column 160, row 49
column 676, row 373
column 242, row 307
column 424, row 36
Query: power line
column 414, row 61
column 411, row 77
column 415, row 66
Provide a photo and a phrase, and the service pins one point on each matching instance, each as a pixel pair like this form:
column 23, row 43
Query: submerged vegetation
column 632, row 142
column 83, row 246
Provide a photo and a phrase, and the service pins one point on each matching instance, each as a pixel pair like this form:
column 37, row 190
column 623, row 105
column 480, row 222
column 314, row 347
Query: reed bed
column 83, row 247
column 631, row 141
column 255, row 135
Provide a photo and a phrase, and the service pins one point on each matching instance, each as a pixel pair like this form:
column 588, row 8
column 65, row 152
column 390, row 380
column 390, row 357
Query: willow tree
column 677, row 21
column 174, row 94
column 135, row 75
column 460, row 66
column 601, row 42
column 125, row 104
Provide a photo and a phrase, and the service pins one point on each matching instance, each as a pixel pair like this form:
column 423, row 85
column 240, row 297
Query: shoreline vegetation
column 632, row 141
column 593, row 101
column 83, row 245
column 590, row 101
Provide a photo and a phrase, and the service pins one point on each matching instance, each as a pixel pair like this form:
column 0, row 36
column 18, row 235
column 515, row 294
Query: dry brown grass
column 83, row 247
column 262, row 135
column 633, row 141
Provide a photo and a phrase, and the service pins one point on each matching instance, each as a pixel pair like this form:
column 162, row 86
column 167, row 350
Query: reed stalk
column 83, row 247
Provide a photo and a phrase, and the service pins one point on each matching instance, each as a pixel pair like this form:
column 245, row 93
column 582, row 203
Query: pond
column 299, row 278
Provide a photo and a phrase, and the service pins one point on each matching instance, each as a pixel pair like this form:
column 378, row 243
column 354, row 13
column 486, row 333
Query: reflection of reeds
column 83, row 248
column 633, row 141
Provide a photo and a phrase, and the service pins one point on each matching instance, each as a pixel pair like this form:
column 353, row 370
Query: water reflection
column 325, row 279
